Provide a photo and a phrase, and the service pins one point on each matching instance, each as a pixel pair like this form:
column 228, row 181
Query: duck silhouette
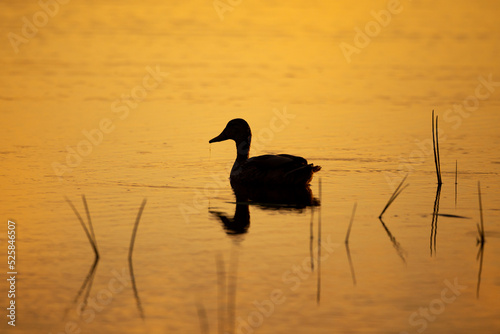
column 280, row 169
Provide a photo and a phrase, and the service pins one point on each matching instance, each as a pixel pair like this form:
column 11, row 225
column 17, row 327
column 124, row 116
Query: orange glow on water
column 118, row 102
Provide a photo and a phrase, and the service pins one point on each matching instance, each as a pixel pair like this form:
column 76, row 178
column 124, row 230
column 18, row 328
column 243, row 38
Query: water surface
column 367, row 123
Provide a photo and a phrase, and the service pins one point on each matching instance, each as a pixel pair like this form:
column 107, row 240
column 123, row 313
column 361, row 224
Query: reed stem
column 435, row 144
column 481, row 233
column 91, row 240
column 394, row 195
column 350, row 223
column 134, row 231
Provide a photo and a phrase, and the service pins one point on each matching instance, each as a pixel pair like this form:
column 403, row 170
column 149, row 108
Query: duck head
column 237, row 130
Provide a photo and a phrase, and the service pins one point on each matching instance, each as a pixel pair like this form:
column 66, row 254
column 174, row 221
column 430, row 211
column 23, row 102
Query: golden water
column 367, row 123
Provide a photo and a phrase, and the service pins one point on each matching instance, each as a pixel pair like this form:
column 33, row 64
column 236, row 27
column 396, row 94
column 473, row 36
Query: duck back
column 281, row 169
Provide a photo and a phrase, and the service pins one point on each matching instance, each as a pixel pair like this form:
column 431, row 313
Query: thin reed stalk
column 134, row 231
column 394, row 195
column 350, row 223
column 435, row 144
column 91, row 228
column 480, row 228
column 91, row 240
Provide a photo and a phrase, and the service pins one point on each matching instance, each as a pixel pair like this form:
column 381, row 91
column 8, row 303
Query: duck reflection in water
column 277, row 198
column 269, row 181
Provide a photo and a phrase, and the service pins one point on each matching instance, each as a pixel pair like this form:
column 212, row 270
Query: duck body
column 280, row 169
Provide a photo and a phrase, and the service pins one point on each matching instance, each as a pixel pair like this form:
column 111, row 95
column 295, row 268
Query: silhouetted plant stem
column 350, row 223
column 134, row 231
column 481, row 238
column 394, row 195
column 91, row 228
column 435, row 144
column 91, row 240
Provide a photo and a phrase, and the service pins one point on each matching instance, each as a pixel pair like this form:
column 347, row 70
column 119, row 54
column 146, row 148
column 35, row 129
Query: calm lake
column 117, row 100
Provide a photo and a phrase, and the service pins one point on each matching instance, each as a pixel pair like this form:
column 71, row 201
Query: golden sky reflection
column 358, row 116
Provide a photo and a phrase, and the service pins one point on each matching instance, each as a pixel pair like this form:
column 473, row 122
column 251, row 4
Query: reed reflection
column 130, row 264
column 434, row 223
column 397, row 246
column 283, row 198
column 479, row 257
column 481, row 239
column 346, row 242
column 227, row 281
column 86, row 287
column 89, row 278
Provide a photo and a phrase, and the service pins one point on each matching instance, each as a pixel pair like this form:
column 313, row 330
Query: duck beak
column 220, row 137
